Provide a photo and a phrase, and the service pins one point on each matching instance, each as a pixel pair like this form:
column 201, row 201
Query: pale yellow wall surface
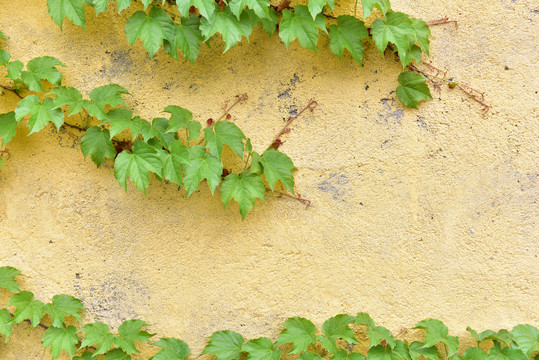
column 415, row 213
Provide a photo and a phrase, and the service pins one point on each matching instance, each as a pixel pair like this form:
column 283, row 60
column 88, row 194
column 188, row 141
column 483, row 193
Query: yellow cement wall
column 415, row 213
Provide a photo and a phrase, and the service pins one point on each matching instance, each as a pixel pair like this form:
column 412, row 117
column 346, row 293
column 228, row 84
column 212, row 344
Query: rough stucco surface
column 415, row 213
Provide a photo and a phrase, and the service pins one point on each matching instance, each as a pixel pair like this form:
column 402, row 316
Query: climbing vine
column 338, row 339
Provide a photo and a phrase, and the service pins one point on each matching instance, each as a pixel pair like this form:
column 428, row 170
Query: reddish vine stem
column 239, row 98
column 299, row 198
column 277, row 139
column 444, row 20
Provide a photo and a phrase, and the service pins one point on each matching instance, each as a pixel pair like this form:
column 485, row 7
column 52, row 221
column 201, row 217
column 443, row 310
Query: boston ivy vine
column 337, row 340
column 186, row 24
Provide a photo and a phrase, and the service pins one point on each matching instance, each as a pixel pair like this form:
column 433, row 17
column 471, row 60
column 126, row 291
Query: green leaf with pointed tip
column 99, row 5
column 379, row 333
column 417, row 350
column 396, row 28
column 225, row 345
column 230, row 28
column 298, row 331
column 27, row 308
column 474, row 354
column 364, row 319
column 187, row 38
column 482, row 336
column 337, row 328
column 62, row 306
column 437, row 332
column 123, row 4
column 260, row 7
column 316, row 6
column 276, row 166
column 502, row 336
column 40, row 113
column 413, row 89
column 174, row 161
column 129, row 332
column 414, row 54
column 137, row 165
column 224, row 133
column 422, row 34
column 179, row 118
column 67, row 96
column 300, row 25
column 244, row 188
column 507, row 353
column 171, row 349
column 157, row 129
column 87, row 355
column 344, row 355
column 61, row 339
column 261, row 349
column 270, row 24
column 72, row 9
column 14, row 69
column 348, row 35
column 8, row 128
column 526, row 337
column 152, row 29
column 4, row 57
column 380, row 352
column 43, row 67
column 369, row 5
column 7, row 278
column 102, row 96
column 5, row 323
column 96, row 143
column 117, row 354
column 122, row 119
column 97, row 334
column 201, row 166
column 205, row 7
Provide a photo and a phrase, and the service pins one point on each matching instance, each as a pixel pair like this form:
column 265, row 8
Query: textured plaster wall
column 415, row 213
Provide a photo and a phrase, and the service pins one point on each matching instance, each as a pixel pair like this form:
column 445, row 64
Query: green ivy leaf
column 368, row 5
column 414, row 54
column 67, row 96
column 96, row 143
column 4, row 57
column 364, row 319
column 413, row 89
column 97, row 334
column 61, row 339
column 5, row 323
column 270, row 24
column 40, row 113
column 482, row 336
column 380, row 352
column 72, row 9
column 378, row 333
column 187, row 38
column 396, row 28
column 224, row 133
column 117, row 354
column 179, row 118
column 417, row 350
column 527, row 338
column 502, row 336
column 122, row 119
column 102, row 96
column 201, row 166
column 230, row 28
column 62, row 306
column 171, row 349
column 87, row 355
column 8, row 128
column 276, row 166
column 129, row 332
column 205, row 7
column 300, row 25
column 123, row 4
column 344, row 355
column 299, row 331
column 225, row 345
column 348, row 35
column 261, row 349
column 337, row 328
column 507, row 353
column 422, row 34
column 174, row 161
column 14, row 69
column 244, row 188
column 158, row 130
column 472, row 354
column 27, row 308
column 260, row 7
column 152, row 29
column 316, row 6
column 43, row 67
column 137, row 165
column 99, row 5
column 437, row 332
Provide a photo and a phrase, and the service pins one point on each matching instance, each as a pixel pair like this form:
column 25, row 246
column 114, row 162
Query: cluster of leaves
column 190, row 23
column 337, row 340
column 175, row 149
